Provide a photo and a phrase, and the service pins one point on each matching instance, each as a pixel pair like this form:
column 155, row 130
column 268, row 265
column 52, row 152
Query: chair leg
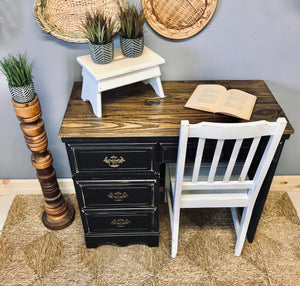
column 175, row 230
column 174, row 246
column 241, row 234
column 174, row 222
column 167, row 183
column 165, row 194
column 239, row 246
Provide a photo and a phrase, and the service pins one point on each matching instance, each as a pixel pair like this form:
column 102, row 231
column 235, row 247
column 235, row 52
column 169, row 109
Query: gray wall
column 244, row 40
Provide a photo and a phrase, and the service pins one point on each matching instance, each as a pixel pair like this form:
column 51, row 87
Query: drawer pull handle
column 120, row 222
column 114, row 161
column 118, row 196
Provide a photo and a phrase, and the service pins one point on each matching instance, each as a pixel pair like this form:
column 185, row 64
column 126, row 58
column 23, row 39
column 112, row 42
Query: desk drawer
column 110, row 194
column 112, row 158
column 121, row 221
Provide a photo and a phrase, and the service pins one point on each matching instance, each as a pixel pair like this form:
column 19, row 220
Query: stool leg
column 155, row 82
column 90, row 92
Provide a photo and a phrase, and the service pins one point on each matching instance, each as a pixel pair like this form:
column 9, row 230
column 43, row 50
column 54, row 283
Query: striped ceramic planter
column 102, row 54
column 132, row 48
column 22, row 94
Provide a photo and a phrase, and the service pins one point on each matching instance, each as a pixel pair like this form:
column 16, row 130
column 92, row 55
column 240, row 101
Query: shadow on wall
column 11, row 20
column 285, row 95
column 275, row 11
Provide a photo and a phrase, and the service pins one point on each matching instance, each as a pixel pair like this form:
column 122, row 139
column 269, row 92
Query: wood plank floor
column 10, row 188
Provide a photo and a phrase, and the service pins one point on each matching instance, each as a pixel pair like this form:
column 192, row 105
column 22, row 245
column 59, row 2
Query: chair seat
column 202, row 194
column 204, row 170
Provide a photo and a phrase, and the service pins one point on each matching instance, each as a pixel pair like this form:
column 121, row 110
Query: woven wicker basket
column 178, row 19
column 63, row 19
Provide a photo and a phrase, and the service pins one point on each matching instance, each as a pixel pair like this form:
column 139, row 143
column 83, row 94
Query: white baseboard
column 288, row 183
column 31, row 187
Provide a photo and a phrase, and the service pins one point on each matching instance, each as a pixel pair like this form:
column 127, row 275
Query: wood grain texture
column 136, row 111
column 58, row 214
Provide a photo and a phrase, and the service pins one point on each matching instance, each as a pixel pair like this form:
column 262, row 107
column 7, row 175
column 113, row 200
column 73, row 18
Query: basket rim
column 47, row 25
column 176, row 33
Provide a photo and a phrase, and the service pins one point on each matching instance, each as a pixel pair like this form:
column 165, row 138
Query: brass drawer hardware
column 120, row 222
column 114, row 161
column 117, row 196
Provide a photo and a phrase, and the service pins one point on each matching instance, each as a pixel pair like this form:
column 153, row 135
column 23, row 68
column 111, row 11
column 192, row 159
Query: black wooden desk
column 117, row 160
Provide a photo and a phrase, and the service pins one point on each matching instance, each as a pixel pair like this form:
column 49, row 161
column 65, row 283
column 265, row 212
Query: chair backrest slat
column 249, row 158
column 198, row 159
column 215, row 161
column 234, row 155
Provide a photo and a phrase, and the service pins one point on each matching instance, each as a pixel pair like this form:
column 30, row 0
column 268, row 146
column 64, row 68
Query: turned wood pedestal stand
column 58, row 214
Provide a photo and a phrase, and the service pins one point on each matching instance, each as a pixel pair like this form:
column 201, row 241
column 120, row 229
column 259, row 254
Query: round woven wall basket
column 178, row 19
column 63, row 19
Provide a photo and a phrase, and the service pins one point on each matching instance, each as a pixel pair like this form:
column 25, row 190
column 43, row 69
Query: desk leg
column 156, row 84
column 262, row 196
column 90, row 93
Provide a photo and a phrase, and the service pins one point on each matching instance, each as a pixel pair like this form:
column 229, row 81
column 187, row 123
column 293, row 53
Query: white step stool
column 121, row 71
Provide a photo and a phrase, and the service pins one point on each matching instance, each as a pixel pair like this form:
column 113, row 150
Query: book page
column 238, row 103
column 207, row 97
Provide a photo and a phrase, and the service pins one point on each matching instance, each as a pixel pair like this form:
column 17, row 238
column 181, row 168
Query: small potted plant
column 99, row 30
column 18, row 72
column 132, row 20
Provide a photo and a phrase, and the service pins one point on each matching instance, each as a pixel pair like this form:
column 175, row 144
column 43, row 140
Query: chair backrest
column 238, row 133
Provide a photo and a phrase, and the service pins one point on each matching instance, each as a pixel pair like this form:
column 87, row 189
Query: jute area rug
column 30, row 254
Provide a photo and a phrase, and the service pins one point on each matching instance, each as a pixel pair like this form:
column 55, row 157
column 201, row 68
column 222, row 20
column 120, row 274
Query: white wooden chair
column 220, row 184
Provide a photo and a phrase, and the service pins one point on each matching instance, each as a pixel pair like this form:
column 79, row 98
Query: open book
column 217, row 99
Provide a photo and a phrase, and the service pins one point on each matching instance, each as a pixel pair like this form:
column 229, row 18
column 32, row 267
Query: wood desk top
column 136, row 111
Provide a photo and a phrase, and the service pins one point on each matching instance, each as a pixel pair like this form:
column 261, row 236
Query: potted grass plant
column 99, row 31
column 132, row 20
column 18, row 72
